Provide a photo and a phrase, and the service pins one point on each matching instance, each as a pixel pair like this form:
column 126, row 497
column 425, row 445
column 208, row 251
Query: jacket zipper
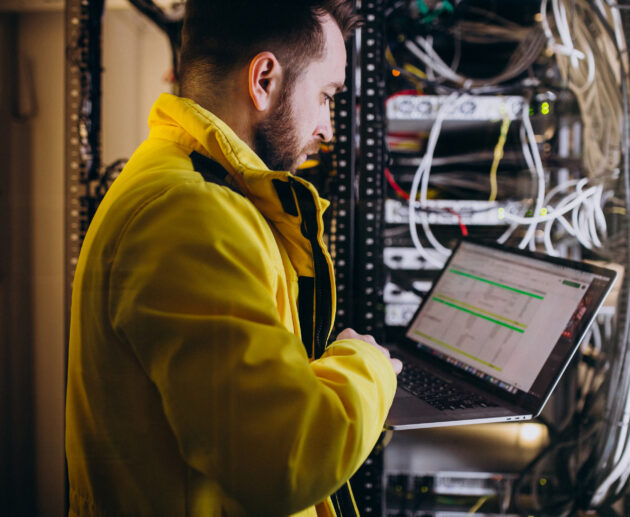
column 323, row 292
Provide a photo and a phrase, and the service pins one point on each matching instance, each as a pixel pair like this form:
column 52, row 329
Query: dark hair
column 220, row 35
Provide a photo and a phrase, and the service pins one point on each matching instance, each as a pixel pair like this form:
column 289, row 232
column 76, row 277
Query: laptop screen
column 509, row 317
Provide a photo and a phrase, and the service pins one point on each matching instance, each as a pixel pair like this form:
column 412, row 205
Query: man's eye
column 327, row 98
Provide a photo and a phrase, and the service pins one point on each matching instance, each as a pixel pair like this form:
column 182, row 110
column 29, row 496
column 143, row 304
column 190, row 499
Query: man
column 199, row 378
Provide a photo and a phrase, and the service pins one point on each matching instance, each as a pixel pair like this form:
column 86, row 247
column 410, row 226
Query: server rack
column 371, row 274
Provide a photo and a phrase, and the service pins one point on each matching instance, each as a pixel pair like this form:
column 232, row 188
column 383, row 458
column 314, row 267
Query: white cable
column 427, row 60
column 424, row 168
column 577, row 218
column 562, row 25
column 557, row 210
column 504, row 236
column 581, row 232
column 560, row 186
column 550, row 216
column 561, row 219
column 540, row 173
column 430, row 72
column 592, row 227
column 527, row 154
column 568, row 49
column 452, row 104
column 595, row 216
column 599, row 212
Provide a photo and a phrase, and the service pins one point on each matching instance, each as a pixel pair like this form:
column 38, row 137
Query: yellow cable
column 390, row 57
column 479, row 504
column 413, row 70
column 498, row 154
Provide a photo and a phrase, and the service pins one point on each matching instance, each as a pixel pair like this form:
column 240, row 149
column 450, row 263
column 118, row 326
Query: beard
column 275, row 137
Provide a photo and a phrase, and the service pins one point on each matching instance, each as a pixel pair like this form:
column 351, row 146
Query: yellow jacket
column 190, row 391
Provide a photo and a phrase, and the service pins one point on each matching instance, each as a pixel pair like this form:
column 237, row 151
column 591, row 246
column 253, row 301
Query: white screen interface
column 500, row 314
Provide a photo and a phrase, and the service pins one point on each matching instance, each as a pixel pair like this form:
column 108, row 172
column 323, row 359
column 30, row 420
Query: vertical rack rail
column 371, row 178
column 342, row 229
column 82, row 125
column 367, row 483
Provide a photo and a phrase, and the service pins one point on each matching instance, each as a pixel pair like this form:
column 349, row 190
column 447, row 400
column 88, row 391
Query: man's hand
column 351, row 334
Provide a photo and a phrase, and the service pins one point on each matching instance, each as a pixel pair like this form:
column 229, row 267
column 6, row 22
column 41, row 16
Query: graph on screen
column 502, row 316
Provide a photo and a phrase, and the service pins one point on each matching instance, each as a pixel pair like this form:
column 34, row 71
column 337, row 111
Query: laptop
column 493, row 336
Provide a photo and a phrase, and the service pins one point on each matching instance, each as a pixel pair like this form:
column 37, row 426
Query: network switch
column 447, row 494
column 412, row 113
column 471, row 483
column 452, row 212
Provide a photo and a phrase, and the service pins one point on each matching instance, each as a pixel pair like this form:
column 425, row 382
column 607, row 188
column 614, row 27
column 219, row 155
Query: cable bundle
column 586, row 59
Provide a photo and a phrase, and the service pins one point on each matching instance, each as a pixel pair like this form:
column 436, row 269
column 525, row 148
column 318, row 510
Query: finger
column 397, row 364
column 348, row 333
column 370, row 339
column 383, row 349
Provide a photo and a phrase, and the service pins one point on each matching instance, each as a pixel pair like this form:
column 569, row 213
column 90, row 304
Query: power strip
column 412, row 113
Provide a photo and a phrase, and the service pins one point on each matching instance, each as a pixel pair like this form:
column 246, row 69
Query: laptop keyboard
column 439, row 393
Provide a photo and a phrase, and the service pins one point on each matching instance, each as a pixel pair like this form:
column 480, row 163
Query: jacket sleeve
column 192, row 290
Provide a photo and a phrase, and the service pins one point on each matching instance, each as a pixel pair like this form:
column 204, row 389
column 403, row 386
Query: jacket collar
column 196, row 129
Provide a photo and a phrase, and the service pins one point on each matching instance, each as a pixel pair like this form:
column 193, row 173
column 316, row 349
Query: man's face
column 301, row 118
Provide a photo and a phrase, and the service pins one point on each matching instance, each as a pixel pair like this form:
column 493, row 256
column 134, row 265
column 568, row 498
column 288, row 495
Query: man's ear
column 265, row 80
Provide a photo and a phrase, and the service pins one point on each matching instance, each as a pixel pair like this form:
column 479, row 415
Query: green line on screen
column 488, row 318
column 479, row 309
column 455, row 349
column 502, row 286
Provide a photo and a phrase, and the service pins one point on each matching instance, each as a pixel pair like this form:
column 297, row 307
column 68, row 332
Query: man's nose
column 324, row 131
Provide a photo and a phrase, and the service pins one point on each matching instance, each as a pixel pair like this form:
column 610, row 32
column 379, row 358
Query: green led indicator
column 571, row 284
column 544, row 108
column 501, row 213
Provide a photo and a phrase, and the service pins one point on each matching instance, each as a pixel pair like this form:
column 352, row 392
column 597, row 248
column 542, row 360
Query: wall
column 135, row 57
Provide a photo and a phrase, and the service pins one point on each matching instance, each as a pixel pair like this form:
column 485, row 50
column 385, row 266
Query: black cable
column 560, row 440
